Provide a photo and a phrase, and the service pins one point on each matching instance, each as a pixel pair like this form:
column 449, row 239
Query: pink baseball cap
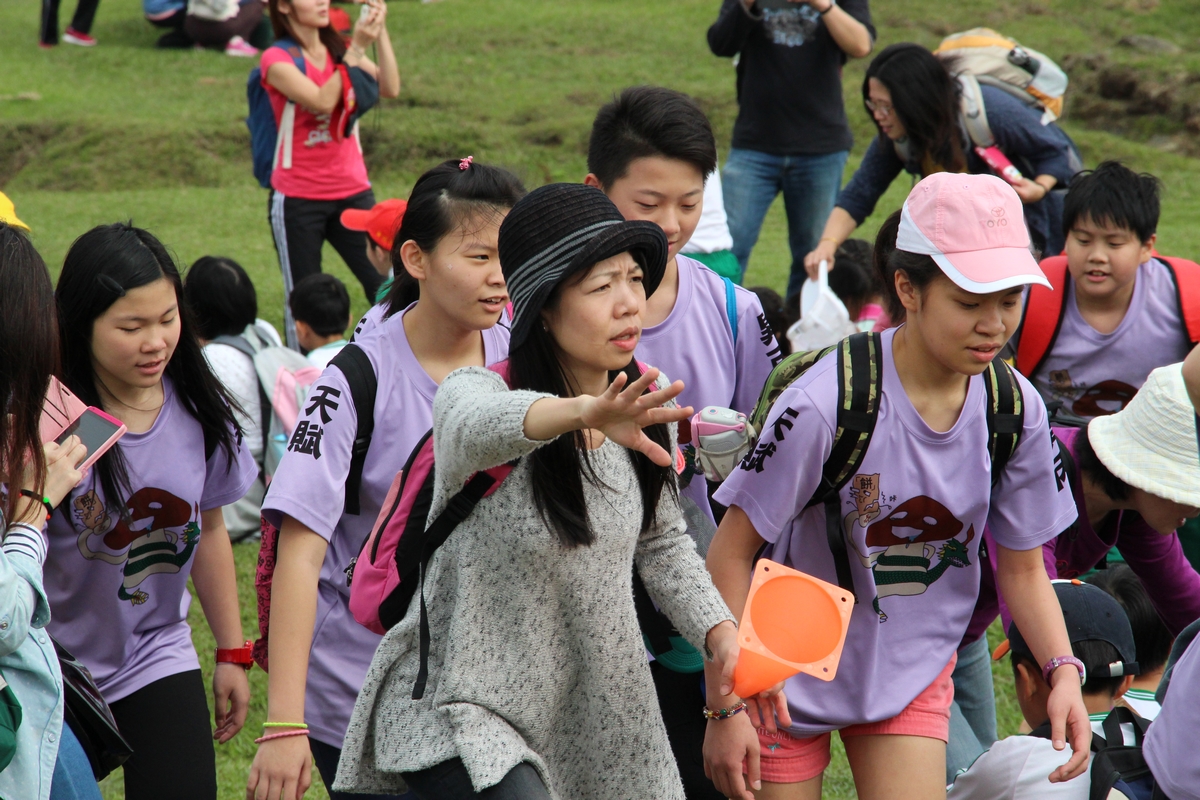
column 974, row 228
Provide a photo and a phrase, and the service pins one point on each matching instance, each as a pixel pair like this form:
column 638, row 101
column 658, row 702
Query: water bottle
column 1020, row 57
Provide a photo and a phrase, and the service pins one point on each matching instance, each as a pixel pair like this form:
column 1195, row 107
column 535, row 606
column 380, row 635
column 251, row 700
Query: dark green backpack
column 860, row 365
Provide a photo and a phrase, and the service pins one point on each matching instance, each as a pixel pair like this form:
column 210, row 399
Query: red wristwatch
column 242, row 656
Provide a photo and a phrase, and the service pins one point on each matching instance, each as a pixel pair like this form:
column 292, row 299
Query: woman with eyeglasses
column 915, row 101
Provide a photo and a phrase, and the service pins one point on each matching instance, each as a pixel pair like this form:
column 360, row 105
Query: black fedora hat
column 560, row 229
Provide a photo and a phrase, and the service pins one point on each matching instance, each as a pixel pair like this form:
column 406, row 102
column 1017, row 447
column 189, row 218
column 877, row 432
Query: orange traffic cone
column 792, row 623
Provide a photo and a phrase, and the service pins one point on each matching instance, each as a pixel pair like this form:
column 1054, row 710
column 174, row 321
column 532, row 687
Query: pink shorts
column 789, row 759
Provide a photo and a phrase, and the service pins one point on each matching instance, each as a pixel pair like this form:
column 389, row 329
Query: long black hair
column 101, row 266
column 558, row 469
column 442, row 199
column 28, row 357
column 281, row 27
column 925, row 96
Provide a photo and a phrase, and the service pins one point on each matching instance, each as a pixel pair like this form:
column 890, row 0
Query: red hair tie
column 466, row 162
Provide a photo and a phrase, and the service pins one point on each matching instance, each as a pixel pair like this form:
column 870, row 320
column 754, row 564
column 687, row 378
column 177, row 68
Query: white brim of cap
column 978, row 271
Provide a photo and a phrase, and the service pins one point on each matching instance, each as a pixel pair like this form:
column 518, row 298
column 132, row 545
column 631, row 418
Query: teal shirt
column 30, row 665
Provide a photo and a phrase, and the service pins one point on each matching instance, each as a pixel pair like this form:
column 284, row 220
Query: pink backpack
column 390, row 569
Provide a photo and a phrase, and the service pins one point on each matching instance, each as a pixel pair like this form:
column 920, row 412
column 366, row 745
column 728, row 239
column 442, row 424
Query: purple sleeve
column 775, row 481
column 1170, row 743
column 1170, row 580
column 755, row 354
column 227, row 480
column 1029, row 505
column 310, row 483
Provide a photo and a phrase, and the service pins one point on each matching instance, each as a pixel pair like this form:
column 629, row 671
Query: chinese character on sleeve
column 755, row 460
column 307, row 439
column 320, row 398
column 784, row 423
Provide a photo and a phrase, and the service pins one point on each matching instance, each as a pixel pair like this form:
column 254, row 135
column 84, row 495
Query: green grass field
column 123, row 131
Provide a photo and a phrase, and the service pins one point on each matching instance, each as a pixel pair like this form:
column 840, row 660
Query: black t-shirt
column 789, row 77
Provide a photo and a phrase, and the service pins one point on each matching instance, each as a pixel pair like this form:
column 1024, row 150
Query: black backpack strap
column 1005, row 414
column 361, row 379
column 459, row 508
column 242, row 345
column 860, row 367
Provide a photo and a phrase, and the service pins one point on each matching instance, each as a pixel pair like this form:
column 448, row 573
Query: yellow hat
column 8, row 213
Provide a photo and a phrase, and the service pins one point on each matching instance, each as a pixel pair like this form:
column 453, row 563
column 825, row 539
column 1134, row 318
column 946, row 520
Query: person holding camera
column 791, row 133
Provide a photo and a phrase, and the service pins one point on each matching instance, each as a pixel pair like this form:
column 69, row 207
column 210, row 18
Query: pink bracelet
column 280, row 735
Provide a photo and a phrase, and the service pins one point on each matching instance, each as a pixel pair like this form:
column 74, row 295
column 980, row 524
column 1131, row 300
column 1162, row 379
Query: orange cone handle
column 792, row 623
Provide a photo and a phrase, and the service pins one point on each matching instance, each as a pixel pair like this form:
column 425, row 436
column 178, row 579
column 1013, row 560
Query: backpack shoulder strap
column 1005, row 414
column 731, row 306
column 287, row 120
column 363, row 383
column 860, row 366
column 244, row 346
column 974, row 113
column 1043, row 316
column 238, row 343
column 1187, row 292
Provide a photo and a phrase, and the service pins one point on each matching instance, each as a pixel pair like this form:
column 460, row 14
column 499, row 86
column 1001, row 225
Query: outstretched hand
column 621, row 413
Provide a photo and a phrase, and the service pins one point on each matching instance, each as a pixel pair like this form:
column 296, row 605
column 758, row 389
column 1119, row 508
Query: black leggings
column 449, row 780
column 681, row 701
column 85, row 14
column 300, row 227
column 167, row 725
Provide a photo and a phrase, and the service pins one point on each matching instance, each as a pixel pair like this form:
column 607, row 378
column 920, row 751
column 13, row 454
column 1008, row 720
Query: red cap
column 380, row 223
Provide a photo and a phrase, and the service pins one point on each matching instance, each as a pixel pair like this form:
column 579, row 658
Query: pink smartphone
column 999, row 163
column 65, row 415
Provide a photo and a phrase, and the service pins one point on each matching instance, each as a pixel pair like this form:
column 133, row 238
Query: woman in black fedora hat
column 537, row 679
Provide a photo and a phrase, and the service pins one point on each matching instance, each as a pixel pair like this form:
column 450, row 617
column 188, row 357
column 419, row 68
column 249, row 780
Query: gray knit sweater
column 536, row 653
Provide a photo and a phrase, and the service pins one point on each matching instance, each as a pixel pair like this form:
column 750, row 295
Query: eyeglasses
column 882, row 109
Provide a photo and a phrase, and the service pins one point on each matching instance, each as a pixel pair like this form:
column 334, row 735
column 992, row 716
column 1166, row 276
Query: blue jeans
column 73, row 779
column 810, row 184
column 973, row 712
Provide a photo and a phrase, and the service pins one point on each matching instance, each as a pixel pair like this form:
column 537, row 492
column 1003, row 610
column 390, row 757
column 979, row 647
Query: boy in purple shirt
column 1120, row 317
column 650, row 150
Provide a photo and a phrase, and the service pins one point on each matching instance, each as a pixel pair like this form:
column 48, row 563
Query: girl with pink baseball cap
column 912, row 517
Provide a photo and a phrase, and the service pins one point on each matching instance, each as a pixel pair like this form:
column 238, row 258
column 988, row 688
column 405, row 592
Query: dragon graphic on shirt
column 901, row 546
column 145, row 540
column 1098, row 400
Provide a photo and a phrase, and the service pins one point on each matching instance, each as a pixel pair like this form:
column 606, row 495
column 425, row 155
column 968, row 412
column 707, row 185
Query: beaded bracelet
column 280, row 735
column 45, row 501
column 725, row 713
column 285, row 725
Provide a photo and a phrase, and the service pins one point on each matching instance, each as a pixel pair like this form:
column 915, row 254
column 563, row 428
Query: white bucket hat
column 1151, row 443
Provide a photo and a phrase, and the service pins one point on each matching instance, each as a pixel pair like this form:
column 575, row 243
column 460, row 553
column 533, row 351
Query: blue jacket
column 30, row 665
column 1034, row 148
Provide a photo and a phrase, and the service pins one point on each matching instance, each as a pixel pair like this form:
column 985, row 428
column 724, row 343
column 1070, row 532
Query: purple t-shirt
column 1171, row 583
column 914, row 517
column 310, row 487
column 118, row 586
column 695, row 344
column 1170, row 746
column 1095, row 373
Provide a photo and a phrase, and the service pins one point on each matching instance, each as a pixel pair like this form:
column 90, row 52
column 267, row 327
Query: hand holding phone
column 65, row 415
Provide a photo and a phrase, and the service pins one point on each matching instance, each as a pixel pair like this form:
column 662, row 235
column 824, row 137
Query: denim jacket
column 29, row 664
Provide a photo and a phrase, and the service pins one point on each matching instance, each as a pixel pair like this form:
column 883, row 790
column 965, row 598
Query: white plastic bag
column 824, row 319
